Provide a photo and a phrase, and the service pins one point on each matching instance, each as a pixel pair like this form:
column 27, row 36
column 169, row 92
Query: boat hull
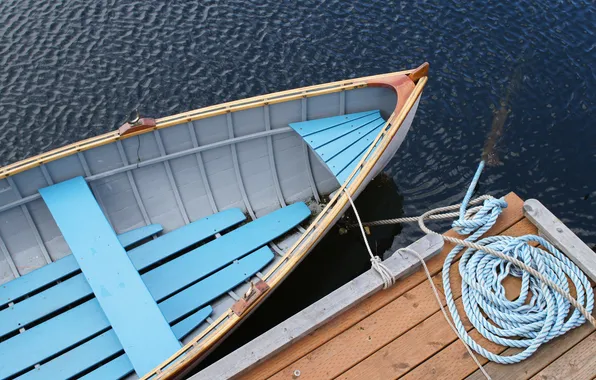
column 180, row 169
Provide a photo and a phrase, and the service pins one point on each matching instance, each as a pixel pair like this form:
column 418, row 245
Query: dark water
column 73, row 69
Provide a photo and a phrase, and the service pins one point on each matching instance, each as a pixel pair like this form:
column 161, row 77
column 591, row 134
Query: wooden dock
column 401, row 333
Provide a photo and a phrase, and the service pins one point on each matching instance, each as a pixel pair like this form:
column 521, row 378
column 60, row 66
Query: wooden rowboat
column 179, row 227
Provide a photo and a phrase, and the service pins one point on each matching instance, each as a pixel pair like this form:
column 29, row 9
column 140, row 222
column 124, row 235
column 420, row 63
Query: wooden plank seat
column 139, row 234
column 341, row 141
column 98, row 349
column 201, row 293
column 22, row 355
column 76, row 288
column 46, row 275
column 17, row 355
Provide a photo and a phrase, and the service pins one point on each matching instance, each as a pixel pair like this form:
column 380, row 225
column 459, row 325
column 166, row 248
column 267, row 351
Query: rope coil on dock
column 539, row 314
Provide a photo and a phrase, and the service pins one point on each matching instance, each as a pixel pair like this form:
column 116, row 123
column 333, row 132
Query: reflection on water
column 490, row 152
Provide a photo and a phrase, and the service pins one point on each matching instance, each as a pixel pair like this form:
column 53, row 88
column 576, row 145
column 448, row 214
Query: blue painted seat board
column 48, row 338
column 100, row 348
column 185, row 326
column 52, row 272
column 306, row 128
column 340, row 141
column 138, row 234
column 135, row 317
column 344, row 163
column 43, row 303
column 212, row 286
column 23, row 351
column 77, row 288
column 183, row 237
column 186, row 301
column 200, row 262
column 115, row 369
column 120, row 366
column 317, row 140
column 338, row 147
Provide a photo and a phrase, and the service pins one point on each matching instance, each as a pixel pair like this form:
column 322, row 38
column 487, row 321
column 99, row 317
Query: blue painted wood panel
column 306, row 128
column 114, row 369
column 183, row 237
column 24, row 350
column 322, row 138
column 52, row 272
column 337, row 147
column 202, row 292
column 340, row 141
column 344, row 163
column 178, row 305
column 54, row 335
column 141, row 327
column 76, row 288
column 138, row 234
column 198, row 263
column 100, row 348
column 37, row 279
column 185, row 326
column 44, row 303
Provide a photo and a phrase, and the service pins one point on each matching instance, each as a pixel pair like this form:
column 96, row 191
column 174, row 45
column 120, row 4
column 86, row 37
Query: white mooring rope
column 483, row 266
column 375, row 261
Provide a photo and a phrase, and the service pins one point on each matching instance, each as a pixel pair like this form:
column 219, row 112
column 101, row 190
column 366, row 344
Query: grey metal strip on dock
column 317, row 314
column 561, row 236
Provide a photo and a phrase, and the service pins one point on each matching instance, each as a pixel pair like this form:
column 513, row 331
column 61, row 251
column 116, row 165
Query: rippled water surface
column 73, row 69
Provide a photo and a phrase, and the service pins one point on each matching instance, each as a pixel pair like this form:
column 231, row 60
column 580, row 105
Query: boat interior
column 169, row 228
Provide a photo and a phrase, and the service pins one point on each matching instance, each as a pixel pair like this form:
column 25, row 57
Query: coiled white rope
column 485, row 264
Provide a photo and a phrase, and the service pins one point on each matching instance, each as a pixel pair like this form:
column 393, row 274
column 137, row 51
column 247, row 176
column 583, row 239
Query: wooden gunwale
column 201, row 113
column 169, row 369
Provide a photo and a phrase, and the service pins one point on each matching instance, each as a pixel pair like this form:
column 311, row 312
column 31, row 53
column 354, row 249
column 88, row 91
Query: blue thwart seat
column 341, row 141
column 135, row 319
column 101, row 347
column 131, row 311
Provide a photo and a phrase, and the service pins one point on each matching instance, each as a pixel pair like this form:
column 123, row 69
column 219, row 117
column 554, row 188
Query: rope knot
column 468, row 223
column 378, row 265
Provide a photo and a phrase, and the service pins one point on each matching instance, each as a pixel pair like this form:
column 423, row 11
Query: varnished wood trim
column 401, row 84
column 420, row 72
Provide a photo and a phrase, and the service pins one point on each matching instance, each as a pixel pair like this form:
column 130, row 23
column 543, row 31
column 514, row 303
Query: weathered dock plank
column 577, row 363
